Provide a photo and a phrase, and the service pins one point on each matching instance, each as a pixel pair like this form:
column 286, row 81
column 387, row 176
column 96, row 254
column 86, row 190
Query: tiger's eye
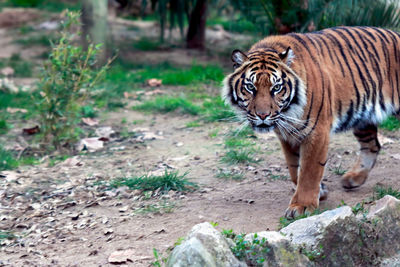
column 277, row 87
column 250, row 86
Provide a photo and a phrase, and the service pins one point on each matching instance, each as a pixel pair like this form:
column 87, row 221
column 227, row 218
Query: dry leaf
column 31, row 131
column 154, row 82
column 90, row 121
column 154, row 92
column 15, row 110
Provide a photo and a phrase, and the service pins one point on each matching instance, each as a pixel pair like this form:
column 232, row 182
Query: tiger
column 307, row 86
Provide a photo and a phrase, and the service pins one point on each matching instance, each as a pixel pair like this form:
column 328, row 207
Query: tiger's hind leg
column 369, row 149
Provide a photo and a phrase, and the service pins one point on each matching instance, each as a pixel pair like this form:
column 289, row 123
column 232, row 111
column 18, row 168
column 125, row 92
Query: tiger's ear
column 287, row 56
column 238, row 57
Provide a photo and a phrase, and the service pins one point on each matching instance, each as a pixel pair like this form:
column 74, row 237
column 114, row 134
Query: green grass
column 146, row 44
column 338, row 170
column 192, row 124
column 216, row 110
column 39, row 40
column 4, row 126
column 230, row 175
column 7, row 160
column 171, row 75
column 161, row 207
column 240, row 25
column 22, row 68
column 233, row 157
column 165, row 104
column 390, row 124
column 380, row 192
column 167, row 181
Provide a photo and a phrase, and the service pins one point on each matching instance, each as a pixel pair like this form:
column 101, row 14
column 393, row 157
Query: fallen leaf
column 31, row 131
column 7, row 71
column 154, row 82
column 154, row 92
column 121, row 256
column 15, row 110
column 91, row 144
column 90, row 121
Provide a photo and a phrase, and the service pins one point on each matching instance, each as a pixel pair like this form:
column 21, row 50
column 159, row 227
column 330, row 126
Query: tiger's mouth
column 263, row 128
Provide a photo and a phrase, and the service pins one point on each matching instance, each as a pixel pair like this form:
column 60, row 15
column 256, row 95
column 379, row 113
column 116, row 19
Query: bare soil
column 64, row 216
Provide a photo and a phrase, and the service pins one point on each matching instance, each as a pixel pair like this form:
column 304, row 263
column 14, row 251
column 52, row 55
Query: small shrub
column 242, row 156
column 67, row 78
column 146, row 44
column 253, row 251
column 26, row 3
column 3, row 126
column 390, row 124
column 167, row 181
column 338, row 170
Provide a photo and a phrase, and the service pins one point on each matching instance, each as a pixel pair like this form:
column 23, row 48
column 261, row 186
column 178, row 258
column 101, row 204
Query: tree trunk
column 197, row 26
column 95, row 28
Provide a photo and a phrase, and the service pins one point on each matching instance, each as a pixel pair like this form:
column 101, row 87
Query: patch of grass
column 338, row 170
column 7, row 160
column 216, row 110
column 237, row 24
column 39, row 40
column 314, row 254
column 4, row 126
column 168, row 104
column 180, row 76
column 236, row 142
column 230, row 174
column 88, row 112
column 167, row 181
column 6, row 235
column 213, row 133
column 283, row 221
column 276, row 177
column 22, row 68
column 160, row 208
column 233, row 157
column 390, row 124
column 146, row 44
column 380, row 192
column 192, row 124
column 359, row 207
column 54, row 160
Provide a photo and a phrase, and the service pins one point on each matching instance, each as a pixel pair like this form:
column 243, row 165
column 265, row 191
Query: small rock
column 121, row 256
column 179, row 144
column 108, row 231
column 196, row 158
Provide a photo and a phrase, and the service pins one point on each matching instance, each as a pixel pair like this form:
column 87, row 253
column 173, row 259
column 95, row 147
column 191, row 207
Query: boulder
column 204, row 246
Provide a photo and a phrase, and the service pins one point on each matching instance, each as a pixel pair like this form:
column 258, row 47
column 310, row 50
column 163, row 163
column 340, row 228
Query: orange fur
column 306, row 86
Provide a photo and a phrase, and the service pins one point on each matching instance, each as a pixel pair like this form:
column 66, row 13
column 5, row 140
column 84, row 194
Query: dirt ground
column 65, row 217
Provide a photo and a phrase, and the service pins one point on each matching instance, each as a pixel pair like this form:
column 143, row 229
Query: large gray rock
column 204, row 246
column 279, row 253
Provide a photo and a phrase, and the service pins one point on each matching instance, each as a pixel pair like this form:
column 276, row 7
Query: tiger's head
column 265, row 89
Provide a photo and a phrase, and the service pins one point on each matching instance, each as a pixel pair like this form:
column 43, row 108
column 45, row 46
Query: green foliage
column 253, row 251
column 4, row 126
column 338, row 170
column 380, row 192
column 68, row 76
column 165, row 104
column 25, row 3
column 88, row 112
column 146, row 44
column 167, row 181
column 230, row 174
column 216, row 110
column 237, row 24
column 160, row 208
column 180, row 76
column 240, row 150
column 281, row 16
column 283, row 221
column 390, row 124
column 314, row 254
column 7, row 160
column 359, row 207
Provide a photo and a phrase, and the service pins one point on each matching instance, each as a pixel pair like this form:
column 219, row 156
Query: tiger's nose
column 262, row 115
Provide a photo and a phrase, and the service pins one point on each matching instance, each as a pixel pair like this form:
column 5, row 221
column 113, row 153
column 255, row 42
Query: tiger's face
column 265, row 89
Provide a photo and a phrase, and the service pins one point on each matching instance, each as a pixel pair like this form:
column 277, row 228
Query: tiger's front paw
column 295, row 210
